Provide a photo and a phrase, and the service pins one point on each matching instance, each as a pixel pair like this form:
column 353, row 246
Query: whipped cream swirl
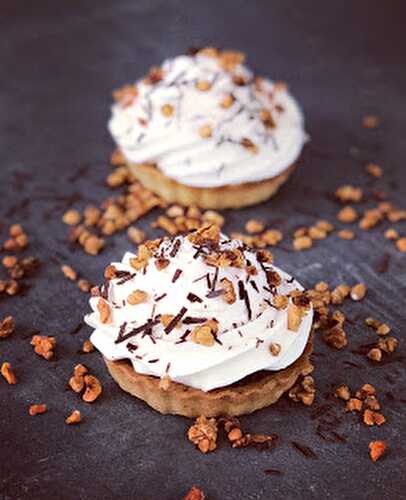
column 190, row 291
column 206, row 122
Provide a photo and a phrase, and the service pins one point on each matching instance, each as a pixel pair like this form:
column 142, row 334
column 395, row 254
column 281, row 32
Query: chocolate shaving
column 168, row 366
column 200, row 278
column 216, row 274
column 258, row 343
column 190, row 320
column 215, row 293
column 175, row 320
column 183, row 337
column 124, row 275
column 273, row 472
column 76, row 329
column 254, row 286
column 161, row 297
column 153, row 360
column 175, row 248
column 176, row 276
column 304, row 450
column 131, row 347
column 243, row 295
column 135, row 331
column 193, row 298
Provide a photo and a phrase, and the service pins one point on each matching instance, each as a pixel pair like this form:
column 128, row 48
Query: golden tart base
column 218, row 198
column 246, row 396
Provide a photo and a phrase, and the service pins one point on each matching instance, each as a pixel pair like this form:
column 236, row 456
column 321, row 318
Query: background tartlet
column 202, row 129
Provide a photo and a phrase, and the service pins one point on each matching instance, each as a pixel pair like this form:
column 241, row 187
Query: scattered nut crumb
column 69, row 272
column 374, row 170
column 347, row 214
column 87, row 346
column 346, row 234
column 203, row 433
column 37, row 409
column 353, row 404
column 195, row 493
column 7, row 327
column 8, row 373
column 93, row 388
column 375, row 354
column 370, row 121
column 74, row 418
column 44, row 346
column 358, row 292
column 302, row 243
column 376, row 449
column 71, row 217
column 372, row 417
column 401, row 245
column 254, row 226
column 343, row 392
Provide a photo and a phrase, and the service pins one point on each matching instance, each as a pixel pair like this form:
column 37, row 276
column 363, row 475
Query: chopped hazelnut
column 229, row 294
column 104, row 310
column 167, row 110
column 348, row 193
column 275, row 348
column 387, row 344
column 254, row 226
column 304, row 391
column 37, row 409
column 383, row 329
column 340, row 293
column 205, row 131
column 373, row 417
column 343, row 392
column 74, row 418
column 401, row 245
column 317, row 233
column 44, row 346
column 227, row 101
column 358, row 292
column 7, row 327
column 366, row 390
column 375, row 354
column 354, row 404
column 370, row 121
column 280, row 301
column 347, row 214
column 204, row 335
column 335, row 337
column 272, row 237
column 137, row 297
column 93, row 388
column 203, row 433
column 376, row 449
column 87, row 346
column 374, row 170
column 302, row 243
column 69, row 272
column 248, row 144
column 391, row 234
column 203, row 85
column 71, row 217
column 8, row 373
column 346, row 234
column 117, row 158
column 195, row 493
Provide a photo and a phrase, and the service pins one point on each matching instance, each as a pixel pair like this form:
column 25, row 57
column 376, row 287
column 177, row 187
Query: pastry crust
column 246, row 396
column 218, row 198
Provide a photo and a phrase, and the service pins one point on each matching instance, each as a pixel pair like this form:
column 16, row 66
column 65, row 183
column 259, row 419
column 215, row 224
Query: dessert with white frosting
column 203, row 129
column 191, row 318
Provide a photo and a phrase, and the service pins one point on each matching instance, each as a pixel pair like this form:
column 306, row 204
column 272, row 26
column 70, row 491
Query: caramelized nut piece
column 275, row 348
column 354, row 404
column 343, row 392
column 37, row 409
column 87, row 346
column 104, row 310
column 254, row 226
column 44, row 346
column 74, row 418
column 69, row 272
column 71, row 217
column 229, row 294
column 358, row 292
column 137, row 297
column 376, row 449
column 7, row 327
column 373, row 417
column 203, row 433
column 93, row 388
column 8, row 373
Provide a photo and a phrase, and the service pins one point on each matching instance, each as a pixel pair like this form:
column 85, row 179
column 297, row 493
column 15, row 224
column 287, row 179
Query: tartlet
column 203, row 130
column 202, row 325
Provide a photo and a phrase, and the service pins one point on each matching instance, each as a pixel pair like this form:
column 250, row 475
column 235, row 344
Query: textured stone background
column 59, row 63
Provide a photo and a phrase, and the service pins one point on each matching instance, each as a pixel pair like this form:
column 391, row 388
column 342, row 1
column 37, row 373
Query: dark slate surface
column 59, row 62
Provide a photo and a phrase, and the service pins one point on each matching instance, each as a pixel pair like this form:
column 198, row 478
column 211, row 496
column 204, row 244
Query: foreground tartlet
column 203, row 130
column 202, row 325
